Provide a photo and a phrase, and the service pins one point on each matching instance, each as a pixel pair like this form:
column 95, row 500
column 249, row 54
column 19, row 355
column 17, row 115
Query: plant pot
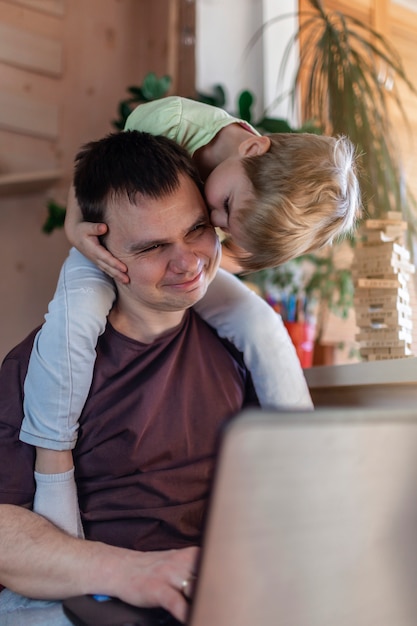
column 302, row 335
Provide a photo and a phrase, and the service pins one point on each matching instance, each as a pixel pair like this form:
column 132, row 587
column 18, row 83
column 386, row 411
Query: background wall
column 224, row 31
column 65, row 65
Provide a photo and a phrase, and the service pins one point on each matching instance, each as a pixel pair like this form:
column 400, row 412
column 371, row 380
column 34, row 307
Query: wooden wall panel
column 402, row 32
column 30, row 51
column 167, row 45
column 26, row 115
column 54, row 7
column 106, row 46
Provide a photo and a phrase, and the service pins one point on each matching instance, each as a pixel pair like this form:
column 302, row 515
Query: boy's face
column 228, row 189
column 169, row 246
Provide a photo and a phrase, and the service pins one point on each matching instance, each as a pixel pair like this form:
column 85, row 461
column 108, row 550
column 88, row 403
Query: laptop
column 312, row 522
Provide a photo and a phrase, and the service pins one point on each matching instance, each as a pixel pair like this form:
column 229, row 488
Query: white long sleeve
column 63, row 356
column 56, row 499
column 241, row 316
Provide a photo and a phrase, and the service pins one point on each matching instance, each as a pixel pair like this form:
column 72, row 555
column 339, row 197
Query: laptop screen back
column 312, row 522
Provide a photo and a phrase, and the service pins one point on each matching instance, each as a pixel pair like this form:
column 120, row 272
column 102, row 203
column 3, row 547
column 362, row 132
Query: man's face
column 169, row 246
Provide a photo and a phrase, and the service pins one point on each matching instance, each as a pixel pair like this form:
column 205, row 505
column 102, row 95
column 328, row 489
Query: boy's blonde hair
column 306, row 194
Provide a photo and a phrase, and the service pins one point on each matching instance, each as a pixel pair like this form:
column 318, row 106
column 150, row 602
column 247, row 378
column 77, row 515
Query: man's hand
column 156, row 579
column 85, row 237
column 39, row 560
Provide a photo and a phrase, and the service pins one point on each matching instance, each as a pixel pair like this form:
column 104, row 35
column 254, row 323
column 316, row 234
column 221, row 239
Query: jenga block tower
column 382, row 272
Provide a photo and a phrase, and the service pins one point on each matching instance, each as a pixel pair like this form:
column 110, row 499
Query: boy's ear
column 254, row 146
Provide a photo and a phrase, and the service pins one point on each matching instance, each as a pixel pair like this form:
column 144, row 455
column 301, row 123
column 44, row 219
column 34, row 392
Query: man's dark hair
column 127, row 163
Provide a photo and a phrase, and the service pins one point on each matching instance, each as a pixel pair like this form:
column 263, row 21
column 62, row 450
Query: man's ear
column 254, row 146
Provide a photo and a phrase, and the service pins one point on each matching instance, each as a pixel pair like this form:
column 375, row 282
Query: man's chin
column 188, row 299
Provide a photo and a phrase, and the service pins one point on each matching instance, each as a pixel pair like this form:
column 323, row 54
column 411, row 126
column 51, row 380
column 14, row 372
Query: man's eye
column 156, row 246
column 199, row 227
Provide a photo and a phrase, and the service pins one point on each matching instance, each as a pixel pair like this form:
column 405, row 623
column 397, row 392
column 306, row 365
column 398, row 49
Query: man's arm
column 40, row 561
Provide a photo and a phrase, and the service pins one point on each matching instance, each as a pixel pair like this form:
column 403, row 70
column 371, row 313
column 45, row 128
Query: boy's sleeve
column 241, row 316
column 64, row 351
column 189, row 123
column 159, row 117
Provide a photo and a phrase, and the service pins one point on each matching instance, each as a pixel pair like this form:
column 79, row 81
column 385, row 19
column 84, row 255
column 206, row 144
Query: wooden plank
column 173, row 38
column 402, row 373
column 30, row 51
column 31, row 117
column 380, row 16
column 28, row 182
column 54, row 7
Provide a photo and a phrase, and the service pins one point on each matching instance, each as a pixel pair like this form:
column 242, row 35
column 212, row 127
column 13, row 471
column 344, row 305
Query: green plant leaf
column 217, row 98
column 153, row 87
column 272, row 125
column 245, row 102
column 137, row 93
column 55, row 218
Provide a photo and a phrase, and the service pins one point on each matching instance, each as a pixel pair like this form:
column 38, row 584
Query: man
column 163, row 386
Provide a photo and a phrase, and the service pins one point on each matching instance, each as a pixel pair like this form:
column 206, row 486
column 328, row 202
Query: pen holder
column 302, row 335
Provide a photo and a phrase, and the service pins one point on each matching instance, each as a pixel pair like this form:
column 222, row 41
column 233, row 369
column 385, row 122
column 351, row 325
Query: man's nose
column 185, row 261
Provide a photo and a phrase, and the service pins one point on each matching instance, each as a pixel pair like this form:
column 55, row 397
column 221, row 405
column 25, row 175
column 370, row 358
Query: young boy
column 276, row 196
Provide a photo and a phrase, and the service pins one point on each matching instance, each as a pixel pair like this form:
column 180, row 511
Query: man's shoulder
column 23, row 347
column 20, row 354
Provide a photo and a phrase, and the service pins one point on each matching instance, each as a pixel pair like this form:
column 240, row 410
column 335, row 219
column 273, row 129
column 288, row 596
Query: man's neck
column 145, row 327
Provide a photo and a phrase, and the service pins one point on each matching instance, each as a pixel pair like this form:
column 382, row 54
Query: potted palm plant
column 346, row 80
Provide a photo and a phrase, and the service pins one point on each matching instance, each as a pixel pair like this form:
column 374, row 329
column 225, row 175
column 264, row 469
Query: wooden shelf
column 27, row 182
column 386, row 372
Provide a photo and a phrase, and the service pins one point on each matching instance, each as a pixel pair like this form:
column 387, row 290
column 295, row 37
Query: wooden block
column 29, row 51
column 383, row 308
column 28, row 116
column 375, row 295
column 384, row 323
column 378, row 267
column 406, row 326
column 379, row 283
column 383, row 317
column 389, row 352
column 378, row 236
column 395, row 231
column 382, row 224
column 380, row 357
column 393, row 215
column 384, row 343
column 384, row 335
column 363, row 250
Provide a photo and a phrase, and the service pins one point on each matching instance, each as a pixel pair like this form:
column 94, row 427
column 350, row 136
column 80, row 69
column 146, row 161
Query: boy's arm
column 40, row 561
column 245, row 319
column 85, row 237
column 63, row 355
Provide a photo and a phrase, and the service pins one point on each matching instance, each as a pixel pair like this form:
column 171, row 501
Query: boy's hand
column 88, row 243
column 85, row 237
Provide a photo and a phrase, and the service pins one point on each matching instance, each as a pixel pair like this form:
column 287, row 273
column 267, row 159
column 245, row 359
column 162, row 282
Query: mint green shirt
column 190, row 124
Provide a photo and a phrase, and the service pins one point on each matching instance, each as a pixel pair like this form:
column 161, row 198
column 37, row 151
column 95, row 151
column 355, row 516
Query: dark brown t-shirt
column 147, row 437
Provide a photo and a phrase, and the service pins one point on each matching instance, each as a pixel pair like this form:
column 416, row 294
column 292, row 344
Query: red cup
column 302, row 335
